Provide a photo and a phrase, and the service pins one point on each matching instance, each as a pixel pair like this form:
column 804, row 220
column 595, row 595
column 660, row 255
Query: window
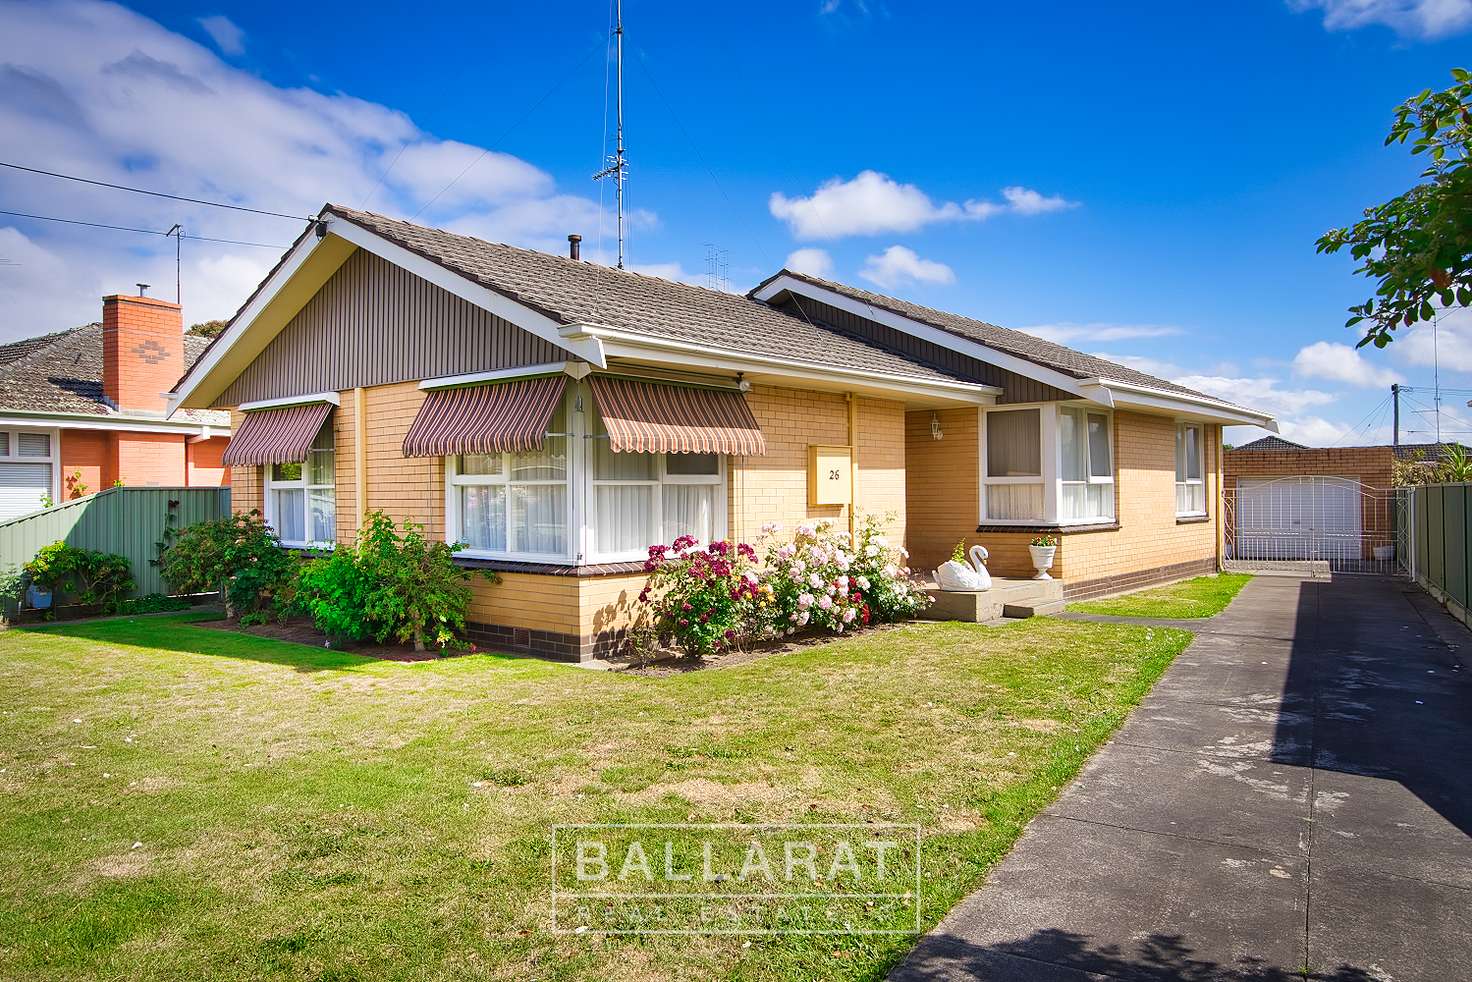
column 1014, row 465
column 514, row 504
column 639, row 499
column 1190, row 488
column 301, row 502
column 1087, row 466
column 27, row 472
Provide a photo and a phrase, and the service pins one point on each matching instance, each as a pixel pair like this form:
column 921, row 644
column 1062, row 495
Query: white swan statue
column 957, row 577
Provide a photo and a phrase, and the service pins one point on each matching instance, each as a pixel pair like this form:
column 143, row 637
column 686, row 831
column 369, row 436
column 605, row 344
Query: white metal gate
column 1312, row 522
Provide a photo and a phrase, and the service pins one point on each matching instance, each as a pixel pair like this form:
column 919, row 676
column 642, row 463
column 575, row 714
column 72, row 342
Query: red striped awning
column 501, row 417
column 276, row 436
column 650, row 417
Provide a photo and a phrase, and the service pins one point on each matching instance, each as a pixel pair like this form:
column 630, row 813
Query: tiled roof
column 1004, row 339
column 62, row 373
column 1269, row 443
column 571, row 292
column 1429, row 452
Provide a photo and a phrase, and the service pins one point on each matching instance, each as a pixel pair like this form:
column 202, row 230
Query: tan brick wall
column 944, row 504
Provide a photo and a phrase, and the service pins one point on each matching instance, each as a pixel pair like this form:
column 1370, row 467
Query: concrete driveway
column 1295, row 794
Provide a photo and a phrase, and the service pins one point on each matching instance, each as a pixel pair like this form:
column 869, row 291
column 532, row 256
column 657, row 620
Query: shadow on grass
column 183, row 634
column 1054, row 954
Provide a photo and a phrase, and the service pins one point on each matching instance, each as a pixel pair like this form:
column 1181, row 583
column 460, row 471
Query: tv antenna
column 178, row 234
column 717, row 268
column 617, row 167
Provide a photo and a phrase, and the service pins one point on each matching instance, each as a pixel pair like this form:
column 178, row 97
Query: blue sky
column 1143, row 181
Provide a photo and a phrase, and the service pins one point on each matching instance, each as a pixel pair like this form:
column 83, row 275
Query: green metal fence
column 1435, row 548
column 127, row 521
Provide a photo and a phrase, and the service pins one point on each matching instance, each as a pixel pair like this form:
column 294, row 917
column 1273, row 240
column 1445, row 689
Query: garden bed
column 671, row 662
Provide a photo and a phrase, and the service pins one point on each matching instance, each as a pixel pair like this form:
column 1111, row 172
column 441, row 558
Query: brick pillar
column 142, row 351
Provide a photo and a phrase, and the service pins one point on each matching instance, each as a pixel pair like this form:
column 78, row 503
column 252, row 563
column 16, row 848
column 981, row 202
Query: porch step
column 1038, row 597
column 1042, row 608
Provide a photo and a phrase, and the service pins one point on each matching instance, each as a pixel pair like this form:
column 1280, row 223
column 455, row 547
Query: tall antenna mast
column 178, row 233
column 617, row 168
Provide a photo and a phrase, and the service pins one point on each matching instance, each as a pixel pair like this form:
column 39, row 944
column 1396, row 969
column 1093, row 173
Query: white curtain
column 483, row 516
column 1014, row 502
column 1083, row 501
column 322, row 514
column 1074, row 446
column 689, row 509
column 623, row 517
column 1013, row 444
column 291, row 514
column 539, row 517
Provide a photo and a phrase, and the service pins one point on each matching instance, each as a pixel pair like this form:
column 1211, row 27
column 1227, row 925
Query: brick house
column 83, row 409
column 560, row 416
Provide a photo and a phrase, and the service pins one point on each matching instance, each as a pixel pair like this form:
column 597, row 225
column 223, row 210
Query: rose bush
column 704, row 600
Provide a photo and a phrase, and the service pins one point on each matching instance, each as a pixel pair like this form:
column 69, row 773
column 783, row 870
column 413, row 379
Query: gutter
column 132, row 424
column 758, row 362
column 1206, row 402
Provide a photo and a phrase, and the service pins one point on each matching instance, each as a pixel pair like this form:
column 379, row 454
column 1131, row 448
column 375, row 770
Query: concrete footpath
column 1294, row 795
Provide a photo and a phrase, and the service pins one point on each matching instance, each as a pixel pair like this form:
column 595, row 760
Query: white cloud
column 1141, row 363
column 1340, row 363
column 873, row 203
column 97, row 90
column 1067, row 332
column 226, row 34
column 1450, row 342
column 1421, row 19
column 814, row 262
column 898, row 265
column 1258, row 393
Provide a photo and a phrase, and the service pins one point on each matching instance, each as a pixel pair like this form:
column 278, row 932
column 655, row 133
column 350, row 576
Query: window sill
column 1192, row 519
column 549, row 569
column 311, row 552
column 1054, row 529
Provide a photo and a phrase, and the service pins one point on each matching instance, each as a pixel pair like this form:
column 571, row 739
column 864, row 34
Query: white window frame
column 1089, row 477
column 52, row 460
column 1181, row 427
column 272, row 485
column 1051, row 447
column 581, row 538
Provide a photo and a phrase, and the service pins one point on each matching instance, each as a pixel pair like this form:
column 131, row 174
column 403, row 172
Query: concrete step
column 1038, row 596
column 1042, row 608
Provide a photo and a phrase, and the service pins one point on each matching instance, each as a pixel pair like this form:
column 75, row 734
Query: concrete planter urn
column 1042, row 558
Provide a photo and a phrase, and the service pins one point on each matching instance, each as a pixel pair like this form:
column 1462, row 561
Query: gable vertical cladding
column 1015, row 388
column 375, row 323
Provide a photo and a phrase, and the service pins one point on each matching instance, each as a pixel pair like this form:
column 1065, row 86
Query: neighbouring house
column 84, row 409
column 1289, row 501
column 559, row 416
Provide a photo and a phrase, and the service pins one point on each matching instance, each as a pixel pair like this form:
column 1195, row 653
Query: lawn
column 181, row 802
column 1204, row 596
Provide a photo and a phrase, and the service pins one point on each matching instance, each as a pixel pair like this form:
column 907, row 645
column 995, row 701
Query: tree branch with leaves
column 1418, row 245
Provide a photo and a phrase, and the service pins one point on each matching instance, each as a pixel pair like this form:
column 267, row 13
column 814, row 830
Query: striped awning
column 501, row 417
column 651, row 417
column 282, row 435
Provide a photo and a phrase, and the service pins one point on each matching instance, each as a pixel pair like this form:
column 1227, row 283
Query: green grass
column 1204, row 596
column 180, row 802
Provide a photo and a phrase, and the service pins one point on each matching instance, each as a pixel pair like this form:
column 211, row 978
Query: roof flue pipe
column 575, row 246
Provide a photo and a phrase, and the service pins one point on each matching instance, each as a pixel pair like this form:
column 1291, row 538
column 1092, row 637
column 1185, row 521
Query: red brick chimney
column 142, row 351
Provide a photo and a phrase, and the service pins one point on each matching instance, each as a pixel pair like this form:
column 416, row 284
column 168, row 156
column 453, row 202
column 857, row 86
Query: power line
column 156, row 194
column 142, row 231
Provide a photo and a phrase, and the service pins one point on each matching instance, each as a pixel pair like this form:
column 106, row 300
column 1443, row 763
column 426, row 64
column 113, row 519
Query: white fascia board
column 1132, row 394
column 925, row 332
column 202, row 368
column 529, row 320
column 497, row 375
column 124, row 423
column 301, row 400
column 623, row 344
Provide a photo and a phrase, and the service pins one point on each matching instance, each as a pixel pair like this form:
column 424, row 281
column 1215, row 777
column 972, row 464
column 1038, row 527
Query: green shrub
column 239, row 556
column 81, row 575
column 391, row 585
column 153, row 603
column 333, row 592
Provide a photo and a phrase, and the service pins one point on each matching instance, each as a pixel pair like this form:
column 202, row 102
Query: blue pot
column 38, row 598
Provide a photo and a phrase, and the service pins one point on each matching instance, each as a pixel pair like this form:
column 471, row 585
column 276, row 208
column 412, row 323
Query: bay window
column 1047, row 465
column 1190, row 470
column 301, row 500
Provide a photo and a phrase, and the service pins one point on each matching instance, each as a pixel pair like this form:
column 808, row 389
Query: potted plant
column 1043, row 548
